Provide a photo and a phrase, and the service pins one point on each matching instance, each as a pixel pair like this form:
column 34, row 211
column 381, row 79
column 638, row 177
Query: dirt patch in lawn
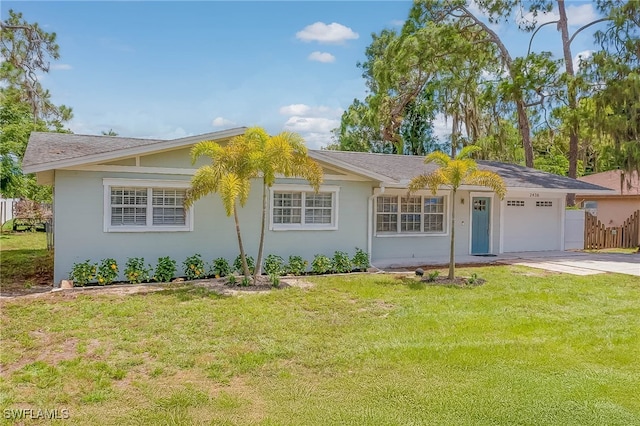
column 216, row 285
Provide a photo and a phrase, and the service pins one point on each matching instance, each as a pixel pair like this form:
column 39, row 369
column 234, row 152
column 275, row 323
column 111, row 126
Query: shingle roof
column 47, row 147
column 611, row 179
column 48, row 151
column 400, row 169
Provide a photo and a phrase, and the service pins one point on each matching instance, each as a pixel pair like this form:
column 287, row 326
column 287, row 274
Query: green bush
column 83, row 273
column 165, row 269
column 135, row 270
column 274, row 265
column 107, row 271
column 232, row 280
column 237, row 264
column 431, row 277
column 194, row 267
column 297, row 265
column 275, row 280
column 246, row 281
column 341, row 262
column 221, row 267
column 321, row 264
column 360, row 260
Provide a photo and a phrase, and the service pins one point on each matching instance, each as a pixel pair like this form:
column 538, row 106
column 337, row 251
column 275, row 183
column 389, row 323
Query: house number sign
column 534, row 195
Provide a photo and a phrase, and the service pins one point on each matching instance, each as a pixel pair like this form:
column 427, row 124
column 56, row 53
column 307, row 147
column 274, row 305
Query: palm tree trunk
column 452, row 249
column 245, row 267
column 258, row 269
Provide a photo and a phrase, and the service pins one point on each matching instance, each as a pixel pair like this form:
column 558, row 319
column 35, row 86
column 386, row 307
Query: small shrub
column 221, row 267
column 431, row 276
column 83, row 273
column 360, row 260
column 341, row 262
column 275, row 280
column 321, row 264
column 194, row 267
column 237, row 264
column 473, row 279
column 274, row 265
column 107, row 271
column 297, row 265
column 135, row 270
column 165, row 269
column 246, row 281
column 232, row 280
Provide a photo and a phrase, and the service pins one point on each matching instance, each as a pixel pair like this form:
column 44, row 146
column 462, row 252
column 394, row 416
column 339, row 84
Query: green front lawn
column 527, row 347
column 24, row 261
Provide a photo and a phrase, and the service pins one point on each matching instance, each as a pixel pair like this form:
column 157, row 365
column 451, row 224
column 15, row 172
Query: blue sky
column 173, row 69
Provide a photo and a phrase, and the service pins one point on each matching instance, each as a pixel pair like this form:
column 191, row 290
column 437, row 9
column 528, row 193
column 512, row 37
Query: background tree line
column 535, row 109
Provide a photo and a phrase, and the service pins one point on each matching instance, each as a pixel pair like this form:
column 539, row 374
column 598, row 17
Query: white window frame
column 150, row 185
column 398, row 233
column 333, row 190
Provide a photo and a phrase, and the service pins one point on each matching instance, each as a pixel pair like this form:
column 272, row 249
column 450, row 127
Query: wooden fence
column 597, row 236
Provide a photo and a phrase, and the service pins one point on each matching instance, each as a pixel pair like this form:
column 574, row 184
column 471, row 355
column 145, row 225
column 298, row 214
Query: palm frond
column 211, row 149
column 431, row 181
column 438, row 157
column 205, row 181
column 489, row 179
column 467, row 151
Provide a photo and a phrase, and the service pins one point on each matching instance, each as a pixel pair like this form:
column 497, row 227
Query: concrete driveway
column 579, row 263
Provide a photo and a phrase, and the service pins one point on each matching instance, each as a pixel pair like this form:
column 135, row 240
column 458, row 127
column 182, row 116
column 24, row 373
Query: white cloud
column 581, row 56
column 295, row 109
column 576, row 15
column 314, row 124
column 322, row 57
column 60, row 67
column 323, row 33
column 397, row 22
column 221, row 122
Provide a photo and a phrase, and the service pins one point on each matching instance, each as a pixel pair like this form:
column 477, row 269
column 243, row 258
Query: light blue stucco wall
column 79, row 234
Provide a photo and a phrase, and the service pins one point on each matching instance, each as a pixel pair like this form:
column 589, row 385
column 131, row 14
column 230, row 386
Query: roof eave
column 139, row 150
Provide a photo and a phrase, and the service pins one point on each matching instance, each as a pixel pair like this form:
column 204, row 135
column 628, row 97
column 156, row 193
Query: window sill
column 303, row 228
column 138, row 229
column 411, row 234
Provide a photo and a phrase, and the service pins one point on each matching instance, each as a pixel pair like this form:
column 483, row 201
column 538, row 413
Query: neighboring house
column 121, row 197
column 614, row 208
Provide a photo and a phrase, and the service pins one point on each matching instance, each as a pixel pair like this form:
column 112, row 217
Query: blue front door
column 480, row 225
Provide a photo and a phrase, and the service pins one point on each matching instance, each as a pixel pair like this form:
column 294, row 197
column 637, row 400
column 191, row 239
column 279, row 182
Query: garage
column 531, row 224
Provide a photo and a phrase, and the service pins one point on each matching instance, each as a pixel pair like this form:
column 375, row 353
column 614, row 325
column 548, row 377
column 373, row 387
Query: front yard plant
column 194, row 267
column 237, row 264
column 165, row 270
column 360, row 260
column 321, row 264
column 341, row 263
column 107, row 271
column 220, row 267
column 274, row 265
column 82, row 273
column 297, row 265
column 136, row 271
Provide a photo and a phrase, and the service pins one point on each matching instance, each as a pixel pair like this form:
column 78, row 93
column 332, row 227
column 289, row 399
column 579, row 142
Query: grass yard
column 527, row 347
column 25, row 263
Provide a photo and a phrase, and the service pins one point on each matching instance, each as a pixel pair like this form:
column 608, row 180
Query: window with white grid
column 139, row 206
column 299, row 207
column 416, row 215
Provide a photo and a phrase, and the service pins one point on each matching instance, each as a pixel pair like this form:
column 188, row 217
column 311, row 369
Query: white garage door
column 531, row 224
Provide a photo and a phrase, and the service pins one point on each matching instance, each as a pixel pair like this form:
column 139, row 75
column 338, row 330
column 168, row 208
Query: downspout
column 370, row 224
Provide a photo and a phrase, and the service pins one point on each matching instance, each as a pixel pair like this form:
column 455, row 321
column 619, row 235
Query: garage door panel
column 531, row 224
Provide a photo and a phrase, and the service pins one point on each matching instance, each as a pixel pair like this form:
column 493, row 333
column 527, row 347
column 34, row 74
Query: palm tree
column 229, row 174
column 284, row 154
column 452, row 173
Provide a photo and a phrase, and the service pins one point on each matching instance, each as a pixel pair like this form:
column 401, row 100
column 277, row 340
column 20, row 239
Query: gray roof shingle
column 401, row 168
column 46, row 147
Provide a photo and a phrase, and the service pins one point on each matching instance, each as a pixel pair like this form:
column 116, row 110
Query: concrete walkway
column 569, row 262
